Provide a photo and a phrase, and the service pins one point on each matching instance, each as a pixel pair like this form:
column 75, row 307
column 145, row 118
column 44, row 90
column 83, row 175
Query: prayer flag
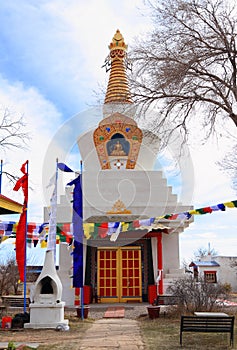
column 115, row 235
column 77, row 233
column 42, row 227
column 65, row 168
column 21, row 228
column 53, row 220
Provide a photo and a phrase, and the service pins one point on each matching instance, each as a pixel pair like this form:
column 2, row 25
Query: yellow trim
column 10, row 205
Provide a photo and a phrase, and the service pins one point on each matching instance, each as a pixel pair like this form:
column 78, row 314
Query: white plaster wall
column 148, row 151
column 88, row 152
column 64, row 213
column 227, row 272
column 170, row 252
column 144, row 193
column 127, row 109
column 65, row 272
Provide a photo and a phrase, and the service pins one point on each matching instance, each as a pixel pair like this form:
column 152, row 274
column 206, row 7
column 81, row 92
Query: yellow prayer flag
column 43, row 244
column 229, row 204
column 194, row 212
column 88, row 229
column 125, row 226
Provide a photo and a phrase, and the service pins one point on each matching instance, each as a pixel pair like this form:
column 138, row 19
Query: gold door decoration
column 117, row 140
column 119, row 274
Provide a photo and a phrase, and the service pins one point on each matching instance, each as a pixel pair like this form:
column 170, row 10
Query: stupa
column 121, row 185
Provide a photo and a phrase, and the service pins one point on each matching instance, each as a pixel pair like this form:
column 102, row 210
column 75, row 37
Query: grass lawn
column 163, row 334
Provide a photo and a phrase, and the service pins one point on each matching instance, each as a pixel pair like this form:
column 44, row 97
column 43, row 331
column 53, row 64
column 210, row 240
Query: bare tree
column 9, row 277
column 187, row 65
column 229, row 165
column 201, row 252
column 12, row 134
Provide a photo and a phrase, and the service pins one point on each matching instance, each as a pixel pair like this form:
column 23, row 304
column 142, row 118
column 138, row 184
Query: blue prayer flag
column 78, row 234
column 65, row 168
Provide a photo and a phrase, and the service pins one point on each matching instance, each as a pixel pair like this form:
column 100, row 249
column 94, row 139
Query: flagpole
column 56, row 199
column 26, row 209
column 82, row 289
column 1, row 176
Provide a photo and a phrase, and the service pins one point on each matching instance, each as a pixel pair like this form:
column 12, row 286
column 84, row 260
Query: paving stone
column 112, row 334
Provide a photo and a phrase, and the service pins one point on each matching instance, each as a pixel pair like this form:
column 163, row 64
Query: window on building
column 210, row 276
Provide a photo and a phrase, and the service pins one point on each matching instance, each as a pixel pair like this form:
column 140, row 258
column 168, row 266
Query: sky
column 52, row 52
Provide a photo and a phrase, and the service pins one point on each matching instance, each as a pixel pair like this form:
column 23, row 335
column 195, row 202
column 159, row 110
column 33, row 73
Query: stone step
column 173, row 276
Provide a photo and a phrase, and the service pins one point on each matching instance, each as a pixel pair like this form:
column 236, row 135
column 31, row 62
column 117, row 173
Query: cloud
column 40, row 116
column 61, row 45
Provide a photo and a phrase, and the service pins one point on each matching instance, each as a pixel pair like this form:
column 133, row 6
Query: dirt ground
column 60, row 340
column 47, row 337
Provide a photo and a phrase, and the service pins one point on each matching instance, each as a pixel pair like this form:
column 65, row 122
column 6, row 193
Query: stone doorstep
column 114, row 312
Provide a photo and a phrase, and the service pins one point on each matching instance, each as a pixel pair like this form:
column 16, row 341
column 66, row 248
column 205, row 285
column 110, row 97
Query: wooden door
column 108, row 275
column 119, row 274
column 131, row 277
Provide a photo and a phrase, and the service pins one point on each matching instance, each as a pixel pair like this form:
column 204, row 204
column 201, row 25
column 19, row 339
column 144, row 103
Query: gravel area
column 131, row 311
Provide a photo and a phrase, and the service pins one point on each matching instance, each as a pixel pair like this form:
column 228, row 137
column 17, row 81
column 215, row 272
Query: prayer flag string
column 38, row 233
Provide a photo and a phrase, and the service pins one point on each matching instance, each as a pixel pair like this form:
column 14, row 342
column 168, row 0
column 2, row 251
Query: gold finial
column 118, row 42
column 116, row 62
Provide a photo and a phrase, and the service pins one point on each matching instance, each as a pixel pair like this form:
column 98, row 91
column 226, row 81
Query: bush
column 197, row 296
column 11, row 346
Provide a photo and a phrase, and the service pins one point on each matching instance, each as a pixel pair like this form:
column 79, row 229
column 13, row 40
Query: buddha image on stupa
column 118, row 147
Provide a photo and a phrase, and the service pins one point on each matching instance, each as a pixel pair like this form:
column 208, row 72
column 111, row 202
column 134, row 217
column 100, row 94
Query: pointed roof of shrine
column 118, row 89
column 8, row 206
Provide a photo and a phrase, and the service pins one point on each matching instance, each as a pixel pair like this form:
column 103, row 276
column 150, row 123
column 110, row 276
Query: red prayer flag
column 20, row 244
column 102, row 232
column 207, row 210
column 23, row 167
column 136, row 223
column 21, row 228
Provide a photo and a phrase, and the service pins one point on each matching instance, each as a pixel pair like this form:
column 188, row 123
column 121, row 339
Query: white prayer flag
column 51, row 244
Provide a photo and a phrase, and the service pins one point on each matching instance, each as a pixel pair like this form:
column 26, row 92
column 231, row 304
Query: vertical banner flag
column 22, row 225
column 1, row 176
column 51, row 244
column 77, row 221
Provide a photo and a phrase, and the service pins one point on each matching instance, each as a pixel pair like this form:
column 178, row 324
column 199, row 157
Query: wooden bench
column 2, row 310
column 14, row 300
column 212, row 324
column 167, row 300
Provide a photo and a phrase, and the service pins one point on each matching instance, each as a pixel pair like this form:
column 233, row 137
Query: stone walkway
column 119, row 333
column 106, row 334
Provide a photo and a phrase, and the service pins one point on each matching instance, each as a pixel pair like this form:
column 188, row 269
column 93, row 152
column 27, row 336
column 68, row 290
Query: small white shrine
column 46, row 306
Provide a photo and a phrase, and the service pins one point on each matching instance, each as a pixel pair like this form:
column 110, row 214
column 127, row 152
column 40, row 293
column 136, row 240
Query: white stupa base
column 46, row 315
